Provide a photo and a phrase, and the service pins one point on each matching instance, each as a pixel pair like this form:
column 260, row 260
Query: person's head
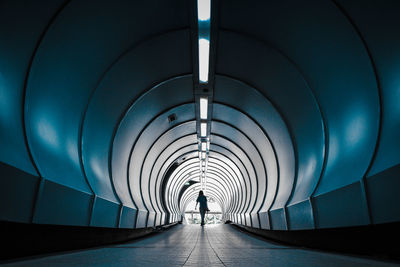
column 201, row 193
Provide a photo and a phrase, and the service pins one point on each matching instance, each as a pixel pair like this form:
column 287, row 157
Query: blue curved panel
column 217, row 169
column 212, row 180
column 165, row 159
column 260, row 140
column 239, row 138
column 239, row 171
column 336, row 66
column 378, row 23
column 22, row 25
column 151, row 142
column 148, row 106
column 248, row 99
column 246, row 170
column 56, row 95
column 99, row 123
column 224, row 170
column 134, row 178
column 281, row 81
column 304, row 112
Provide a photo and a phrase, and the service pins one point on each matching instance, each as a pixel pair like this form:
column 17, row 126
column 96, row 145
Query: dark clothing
column 203, row 207
column 202, row 214
column 203, row 202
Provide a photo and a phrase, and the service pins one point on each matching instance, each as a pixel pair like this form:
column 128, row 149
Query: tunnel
column 114, row 114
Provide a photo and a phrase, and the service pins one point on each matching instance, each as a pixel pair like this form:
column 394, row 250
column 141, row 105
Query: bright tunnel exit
column 192, row 214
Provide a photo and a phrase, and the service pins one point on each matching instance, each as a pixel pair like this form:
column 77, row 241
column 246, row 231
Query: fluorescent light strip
column 203, row 146
column 203, row 10
column 203, row 108
column 203, row 129
column 203, row 155
column 204, row 58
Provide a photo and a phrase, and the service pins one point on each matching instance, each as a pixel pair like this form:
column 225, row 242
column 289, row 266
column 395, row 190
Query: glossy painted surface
column 98, row 112
column 21, row 27
column 99, row 125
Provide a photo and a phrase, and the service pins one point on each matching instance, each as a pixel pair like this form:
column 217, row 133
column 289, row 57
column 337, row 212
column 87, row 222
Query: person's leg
column 202, row 213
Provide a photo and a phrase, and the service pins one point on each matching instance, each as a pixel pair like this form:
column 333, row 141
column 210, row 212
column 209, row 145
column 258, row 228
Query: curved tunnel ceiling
column 101, row 106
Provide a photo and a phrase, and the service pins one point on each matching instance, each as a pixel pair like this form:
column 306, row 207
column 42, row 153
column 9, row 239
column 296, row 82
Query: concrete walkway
column 192, row 245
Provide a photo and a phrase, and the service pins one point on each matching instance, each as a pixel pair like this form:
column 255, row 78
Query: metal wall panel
column 304, row 126
column 126, row 76
column 105, row 213
column 17, row 194
column 152, row 103
column 377, row 23
column 59, row 204
column 21, row 26
column 342, row 207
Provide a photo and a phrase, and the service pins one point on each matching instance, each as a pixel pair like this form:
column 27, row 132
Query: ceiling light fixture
column 203, row 108
column 203, row 129
column 203, row 146
column 204, row 58
column 204, row 10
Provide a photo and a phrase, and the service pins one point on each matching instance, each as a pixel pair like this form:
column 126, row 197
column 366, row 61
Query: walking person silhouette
column 203, row 205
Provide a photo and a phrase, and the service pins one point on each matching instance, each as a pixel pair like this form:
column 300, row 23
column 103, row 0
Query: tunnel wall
column 63, row 169
column 97, row 104
column 317, row 63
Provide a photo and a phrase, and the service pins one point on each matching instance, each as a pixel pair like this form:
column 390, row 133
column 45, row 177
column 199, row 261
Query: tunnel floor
column 192, row 245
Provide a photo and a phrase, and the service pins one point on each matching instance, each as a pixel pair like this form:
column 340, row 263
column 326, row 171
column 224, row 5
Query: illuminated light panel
column 203, row 129
column 204, row 58
column 203, row 155
column 203, row 10
column 203, row 146
column 203, row 108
